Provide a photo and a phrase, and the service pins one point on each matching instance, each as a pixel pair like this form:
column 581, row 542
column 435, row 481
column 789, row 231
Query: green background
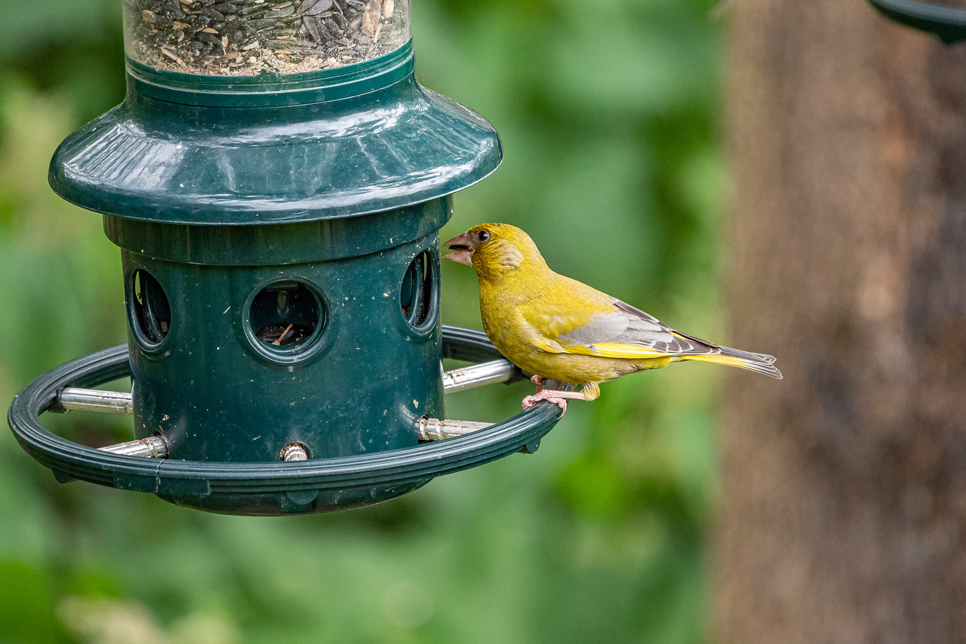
column 609, row 113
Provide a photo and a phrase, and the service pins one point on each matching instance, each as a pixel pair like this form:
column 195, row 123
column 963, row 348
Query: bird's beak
column 462, row 250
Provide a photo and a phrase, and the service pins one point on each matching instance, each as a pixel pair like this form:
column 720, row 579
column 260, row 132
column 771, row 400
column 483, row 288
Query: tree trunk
column 844, row 486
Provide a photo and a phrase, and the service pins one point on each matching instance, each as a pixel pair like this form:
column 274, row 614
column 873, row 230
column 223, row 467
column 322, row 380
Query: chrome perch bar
column 429, row 429
column 294, row 452
column 105, row 402
column 120, row 402
column 434, row 429
column 477, row 375
column 151, row 447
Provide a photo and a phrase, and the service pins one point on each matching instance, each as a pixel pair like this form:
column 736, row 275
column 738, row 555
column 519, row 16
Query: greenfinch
column 558, row 328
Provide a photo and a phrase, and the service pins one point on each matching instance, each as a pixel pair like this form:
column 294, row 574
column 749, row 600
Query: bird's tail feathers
column 757, row 362
column 748, row 355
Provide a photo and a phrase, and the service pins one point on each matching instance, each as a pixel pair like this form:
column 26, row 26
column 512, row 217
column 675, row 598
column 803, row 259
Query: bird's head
column 494, row 250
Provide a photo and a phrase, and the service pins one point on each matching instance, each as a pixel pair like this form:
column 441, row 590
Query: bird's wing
column 618, row 330
column 571, row 317
column 629, row 333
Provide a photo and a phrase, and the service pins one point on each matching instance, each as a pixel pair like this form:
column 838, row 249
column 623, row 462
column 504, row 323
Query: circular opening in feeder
column 151, row 313
column 417, row 295
column 286, row 316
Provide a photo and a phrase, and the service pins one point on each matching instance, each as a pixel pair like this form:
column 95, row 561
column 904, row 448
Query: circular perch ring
column 267, row 488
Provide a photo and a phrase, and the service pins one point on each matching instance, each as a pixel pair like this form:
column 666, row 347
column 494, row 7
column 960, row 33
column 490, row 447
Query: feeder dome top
column 274, row 148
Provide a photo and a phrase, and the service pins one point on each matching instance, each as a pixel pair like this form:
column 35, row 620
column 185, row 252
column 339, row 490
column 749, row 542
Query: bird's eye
column 483, row 235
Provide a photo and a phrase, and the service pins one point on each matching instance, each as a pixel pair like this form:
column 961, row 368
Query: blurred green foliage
column 608, row 112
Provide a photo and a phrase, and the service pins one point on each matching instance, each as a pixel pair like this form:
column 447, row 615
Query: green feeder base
column 269, row 488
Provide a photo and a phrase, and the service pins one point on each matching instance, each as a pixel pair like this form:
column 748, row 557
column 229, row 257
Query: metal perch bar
column 105, row 402
column 429, row 429
column 477, row 375
column 120, row 402
column 434, row 429
column 151, row 447
column 294, row 452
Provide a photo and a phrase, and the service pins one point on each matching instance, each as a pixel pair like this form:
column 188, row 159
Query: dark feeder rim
column 949, row 23
column 414, row 465
column 268, row 89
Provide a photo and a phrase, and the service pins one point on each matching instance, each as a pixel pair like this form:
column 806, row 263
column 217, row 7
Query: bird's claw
column 530, row 401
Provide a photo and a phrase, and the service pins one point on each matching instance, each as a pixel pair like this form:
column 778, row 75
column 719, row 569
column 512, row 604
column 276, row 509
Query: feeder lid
column 271, row 149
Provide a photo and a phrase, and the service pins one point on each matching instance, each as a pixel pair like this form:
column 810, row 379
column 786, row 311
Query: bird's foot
column 538, row 381
column 558, row 398
column 530, row 401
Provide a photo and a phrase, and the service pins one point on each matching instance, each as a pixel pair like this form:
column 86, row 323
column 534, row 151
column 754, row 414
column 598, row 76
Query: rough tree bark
column 844, row 489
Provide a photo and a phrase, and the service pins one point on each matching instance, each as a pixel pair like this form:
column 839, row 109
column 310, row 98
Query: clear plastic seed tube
column 248, row 37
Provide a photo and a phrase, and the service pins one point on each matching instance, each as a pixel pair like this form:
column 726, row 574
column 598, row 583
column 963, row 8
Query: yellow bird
column 559, row 328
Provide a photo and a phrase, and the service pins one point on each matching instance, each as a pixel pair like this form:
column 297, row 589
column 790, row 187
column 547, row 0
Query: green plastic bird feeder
column 276, row 180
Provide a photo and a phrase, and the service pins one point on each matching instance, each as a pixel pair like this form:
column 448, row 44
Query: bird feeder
column 949, row 23
column 276, row 180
